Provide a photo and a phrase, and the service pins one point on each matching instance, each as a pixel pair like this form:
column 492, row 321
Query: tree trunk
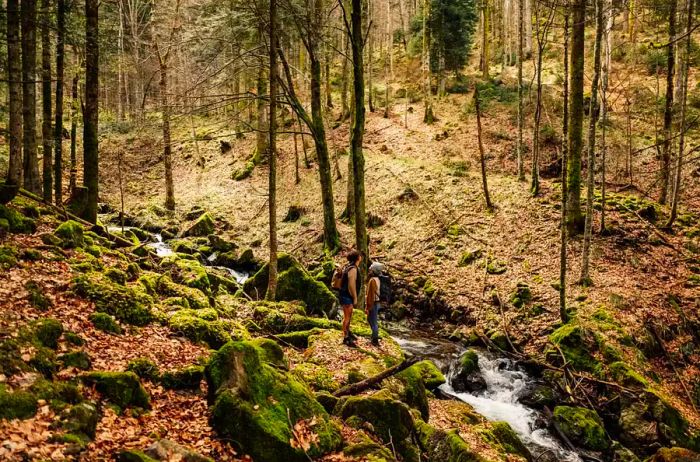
column 576, row 81
column 90, row 115
column 588, row 229
column 482, row 154
column 344, row 109
column 121, row 77
column 428, row 117
column 73, row 178
column 46, row 114
column 272, row 156
column 167, row 145
column 666, row 154
column 607, row 69
column 521, row 117
column 528, row 27
column 32, row 180
column 329, row 91
column 370, row 57
column 563, row 313
column 14, row 78
column 357, row 135
column 485, row 40
column 58, row 124
column 685, row 70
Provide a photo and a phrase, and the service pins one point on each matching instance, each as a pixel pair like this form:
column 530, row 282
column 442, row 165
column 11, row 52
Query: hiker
column 373, row 300
column 349, row 283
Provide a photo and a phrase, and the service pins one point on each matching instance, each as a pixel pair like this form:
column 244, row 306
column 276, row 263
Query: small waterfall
column 162, row 249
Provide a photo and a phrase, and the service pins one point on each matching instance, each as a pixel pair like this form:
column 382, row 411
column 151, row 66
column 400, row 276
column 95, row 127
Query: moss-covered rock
column 81, row 419
column 120, row 388
column 74, row 339
column 391, row 418
column 144, row 368
column 509, row 440
column 285, row 320
column 16, row 221
column 259, row 401
column 190, row 273
column 134, row 455
column 582, row 426
column 521, row 296
column 431, row 375
column 188, row 378
column 163, row 285
column 8, row 257
column 105, row 323
column 36, row 297
column 71, row 234
column 577, row 343
column 47, row 331
column 116, row 275
column 129, row 304
column 445, row 446
column 299, row 339
column 202, row 226
column 625, row 375
column 675, row 455
column 468, row 377
column 214, row 333
column 44, row 361
column 166, row 450
column 77, row 359
column 16, row 404
column 469, row 257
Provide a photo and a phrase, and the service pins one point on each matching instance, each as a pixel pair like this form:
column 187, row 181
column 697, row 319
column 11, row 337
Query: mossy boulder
column 36, row 296
column 675, row 455
column 121, row 388
column 44, row 361
column 129, row 304
column 469, row 257
column 190, row 273
column 16, row 404
column 188, row 378
column 299, row 339
column 577, row 344
column 134, row 455
column 468, row 377
column 105, row 323
column 283, row 321
column 447, row 446
column 163, row 285
column 8, row 257
column 431, row 375
column 625, row 375
column 582, row 426
column 116, row 275
column 166, row 450
column 201, row 227
column 47, row 331
column 521, row 296
column 77, row 359
column 214, row 333
column 412, row 390
column 391, row 418
column 368, row 449
column 509, row 440
column 254, row 399
column 16, row 222
column 144, row 368
column 71, row 234
column 81, row 419
column 219, row 244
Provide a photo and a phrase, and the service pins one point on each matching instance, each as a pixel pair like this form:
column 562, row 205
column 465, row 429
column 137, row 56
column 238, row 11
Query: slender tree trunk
column 272, row 145
column 588, row 229
column 32, row 179
column 121, row 77
column 370, row 57
column 357, row 135
column 666, row 154
column 167, row 145
column 58, row 124
column 90, row 116
column 73, row 178
column 46, row 114
column 329, row 91
column 521, row 117
column 576, row 81
column 607, row 69
column 428, row 117
column 14, row 78
column 528, row 27
column 344, row 109
column 485, row 40
column 349, row 212
column 685, row 71
column 482, row 154
column 563, row 313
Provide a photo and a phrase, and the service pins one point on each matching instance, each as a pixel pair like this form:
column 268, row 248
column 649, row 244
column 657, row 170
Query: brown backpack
column 337, row 280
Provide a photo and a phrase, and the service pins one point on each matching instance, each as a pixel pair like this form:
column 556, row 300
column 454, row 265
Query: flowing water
column 505, row 385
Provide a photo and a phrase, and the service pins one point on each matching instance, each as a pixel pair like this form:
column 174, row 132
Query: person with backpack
column 349, row 283
column 373, row 299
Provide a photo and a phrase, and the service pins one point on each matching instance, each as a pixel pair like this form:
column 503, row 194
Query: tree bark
column 428, row 117
column 58, row 124
column 14, row 78
column 46, row 113
column 272, row 148
column 576, row 82
column 607, row 69
column 482, row 154
column 666, row 154
column 262, row 132
column 73, row 178
column 521, row 117
column 32, row 180
column 485, row 40
column 563, row 313
column 90, row 115
column 167, row 145
column 588, row 229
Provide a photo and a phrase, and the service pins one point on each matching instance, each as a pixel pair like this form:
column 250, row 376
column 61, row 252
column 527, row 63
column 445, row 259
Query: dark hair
column 353, row 256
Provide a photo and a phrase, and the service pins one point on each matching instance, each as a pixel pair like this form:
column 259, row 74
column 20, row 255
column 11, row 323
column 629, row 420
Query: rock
column 440, row 445
column 198, row 326
column 188, row 378
column 105, row 323
column 71, row 234
column 190, row 273
column 16, row 404
column 195, row 212
column 81, row 419
column 129, row 304
column 468, row 377
column 254, row 399
column 626, row 376
column 509, row 440
column 77, row 359
column 369, row 450
column 116, row 275
column 121, row 388
column 16, row 222
column 577, row 343
column 47, row 331
column 203, row 226
column 294, row 213
column 539, row 396
column 144, row 368
column 408, row 195
column 134, row 456
column 522, row 295
column 469, row 257
column 166, row 450
column 622, row 454
column 224, row 146
column 582, row 426
column 162, row 284
column 431, row 375
column 327, row 400
column 50, row 239
column 675, row 455
column 390, row 418
column 219, row 244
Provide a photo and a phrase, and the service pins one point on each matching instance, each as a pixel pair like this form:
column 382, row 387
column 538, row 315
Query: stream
column 506, row 383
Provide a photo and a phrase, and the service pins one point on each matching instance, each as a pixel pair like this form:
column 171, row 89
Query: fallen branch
column 359, row 387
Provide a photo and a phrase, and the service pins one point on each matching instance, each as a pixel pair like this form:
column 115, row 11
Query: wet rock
column 539, row 396
column 203, row 226
column 582, row 426
column 468, row 377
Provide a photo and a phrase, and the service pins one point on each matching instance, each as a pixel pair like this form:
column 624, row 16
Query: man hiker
column 372, row 303
column 349, row 291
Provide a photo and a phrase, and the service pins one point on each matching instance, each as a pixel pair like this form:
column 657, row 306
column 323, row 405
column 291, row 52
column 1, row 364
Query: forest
column 350, row 230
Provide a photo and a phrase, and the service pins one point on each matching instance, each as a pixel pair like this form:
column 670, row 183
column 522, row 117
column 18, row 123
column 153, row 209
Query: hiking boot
column 375, row 341
column 352, row 336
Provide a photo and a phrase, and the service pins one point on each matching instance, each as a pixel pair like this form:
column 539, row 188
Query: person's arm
column 371, row 294
column 352, row 284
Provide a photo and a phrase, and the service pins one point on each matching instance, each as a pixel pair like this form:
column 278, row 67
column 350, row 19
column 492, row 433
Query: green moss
column 495, row 266
column 675, row 455
column 469, row 257
column 391, row 419
column 134, row 456
column 77, row 359
column 509, row 440
column 11, row 357
column 16, row 404
column 256, row 285
column 412, row 391
column 36, row 296
column 44, row 361
column 116, row 275
column 299, row 339
column 190, row 273
column 369, row 450
column 58, row 393
column 17, row 223
column 188, row 378
column 30, row 254
column 259, row 401
column 213, row 333
column 144, row 368
column 74, row 339
column 431, row 375
column 317, row 377
column 156, row 284
column 202, row 226
column 445, row 446
column 625, row 375
column 121, row 388
column 522, row 295
column 105, row 323
column 129, row 304
column 8, row 257
column 469, row 362
column 243, row 173
column 429, row 288
column 577, row 343
column 582, row 426
column 81, row 419
column 297, row 284
column 71, row 234
column 47, row 331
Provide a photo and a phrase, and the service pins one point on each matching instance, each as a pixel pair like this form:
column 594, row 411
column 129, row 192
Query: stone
column 166, row 450
column 71, row 234
column 202, row 226
column 120, row 388
column 582, row 426
column 468, row 377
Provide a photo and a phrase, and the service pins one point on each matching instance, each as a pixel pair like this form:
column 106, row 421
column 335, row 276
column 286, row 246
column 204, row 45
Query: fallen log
column 359, row 387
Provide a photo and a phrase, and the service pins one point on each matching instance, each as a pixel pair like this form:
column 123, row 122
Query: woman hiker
column 349, row 291
column 372, row 304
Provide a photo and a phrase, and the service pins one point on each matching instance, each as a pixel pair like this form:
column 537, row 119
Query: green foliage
column 105, row 323
column 121, row 388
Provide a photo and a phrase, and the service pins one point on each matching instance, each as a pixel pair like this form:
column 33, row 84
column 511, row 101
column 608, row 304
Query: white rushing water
column 505, row 384
column 162, row 249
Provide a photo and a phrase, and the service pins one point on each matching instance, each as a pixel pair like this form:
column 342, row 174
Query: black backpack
column 385, row 288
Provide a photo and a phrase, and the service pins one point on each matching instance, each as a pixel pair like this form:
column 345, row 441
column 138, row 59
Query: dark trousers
column 374, row 321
